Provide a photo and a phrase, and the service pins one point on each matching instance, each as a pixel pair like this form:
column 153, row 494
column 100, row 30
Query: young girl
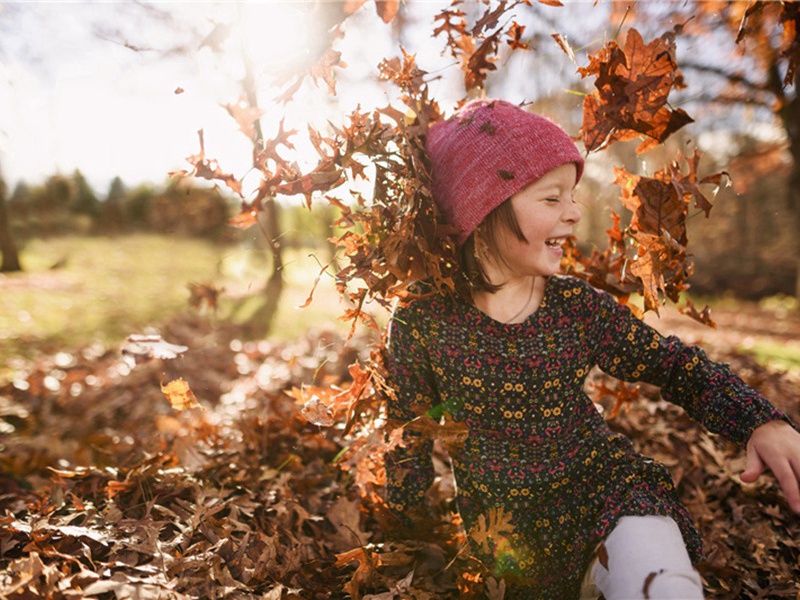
column 575, row 506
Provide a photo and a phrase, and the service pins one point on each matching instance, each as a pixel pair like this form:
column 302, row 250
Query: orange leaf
column 245, row 219
column 179, row 394
column 387, row 9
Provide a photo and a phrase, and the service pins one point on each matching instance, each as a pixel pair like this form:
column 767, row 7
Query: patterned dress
column 541, row 478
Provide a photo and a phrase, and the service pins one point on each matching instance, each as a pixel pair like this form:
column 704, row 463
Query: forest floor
column 108, row 492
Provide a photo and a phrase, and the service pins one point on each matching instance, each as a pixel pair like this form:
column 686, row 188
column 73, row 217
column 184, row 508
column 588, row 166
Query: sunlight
column 275, row 34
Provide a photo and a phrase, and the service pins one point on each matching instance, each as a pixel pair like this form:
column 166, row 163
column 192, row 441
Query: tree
column 756, row 64
column 112, row 215
column 8, row 248
column 84, row 200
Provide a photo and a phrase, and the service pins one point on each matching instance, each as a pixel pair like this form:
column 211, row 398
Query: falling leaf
column 317, row 412
column 179, row 394
column 142, row 348
column 204, row 295
column 562, row 42
column 632, row 87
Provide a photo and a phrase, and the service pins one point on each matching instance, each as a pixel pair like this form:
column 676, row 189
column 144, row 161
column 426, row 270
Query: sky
column 73, row 96
column 92, row 85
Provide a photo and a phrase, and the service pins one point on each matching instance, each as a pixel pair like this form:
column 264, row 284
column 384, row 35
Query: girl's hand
column 776, row 446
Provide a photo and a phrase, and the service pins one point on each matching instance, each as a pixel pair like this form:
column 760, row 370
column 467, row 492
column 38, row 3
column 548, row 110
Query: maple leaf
column 180, row 395
column 142, row 348
column 631, row 96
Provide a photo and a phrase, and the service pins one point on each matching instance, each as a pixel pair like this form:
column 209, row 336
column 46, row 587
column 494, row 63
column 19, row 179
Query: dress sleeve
column 710, row 392
column 409, row 469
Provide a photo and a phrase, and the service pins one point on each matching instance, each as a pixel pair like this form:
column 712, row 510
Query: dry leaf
column 180, row 396
column 142, row 348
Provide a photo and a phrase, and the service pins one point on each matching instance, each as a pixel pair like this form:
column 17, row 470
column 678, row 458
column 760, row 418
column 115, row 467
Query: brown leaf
column 562, row 42
column 631, row 96
column 179, row 394
column 245, row 115
column 387, row 9
column 491, row 529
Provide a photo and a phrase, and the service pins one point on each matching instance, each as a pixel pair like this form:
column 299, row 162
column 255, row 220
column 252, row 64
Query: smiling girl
column 581, row 511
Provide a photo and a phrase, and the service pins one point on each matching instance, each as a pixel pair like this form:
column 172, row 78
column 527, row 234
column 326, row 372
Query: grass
column 780, row 356
column 105, row 288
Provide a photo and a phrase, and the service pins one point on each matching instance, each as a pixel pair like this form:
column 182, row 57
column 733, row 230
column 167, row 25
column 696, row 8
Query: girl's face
column 546, row 214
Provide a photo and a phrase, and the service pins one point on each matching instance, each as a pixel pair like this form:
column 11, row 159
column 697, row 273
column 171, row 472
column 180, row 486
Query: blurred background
column 100, row 102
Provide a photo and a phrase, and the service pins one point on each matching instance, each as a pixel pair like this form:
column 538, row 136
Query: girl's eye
column 551, row 199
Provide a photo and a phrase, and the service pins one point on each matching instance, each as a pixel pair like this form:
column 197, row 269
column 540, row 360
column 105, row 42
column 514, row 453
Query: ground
column 106, row 491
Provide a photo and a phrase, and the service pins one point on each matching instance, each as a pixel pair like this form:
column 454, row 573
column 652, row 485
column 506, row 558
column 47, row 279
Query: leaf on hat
column 507, row 175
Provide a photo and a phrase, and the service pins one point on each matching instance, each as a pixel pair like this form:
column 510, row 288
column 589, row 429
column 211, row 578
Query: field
column 107, row 491
column 77, row 291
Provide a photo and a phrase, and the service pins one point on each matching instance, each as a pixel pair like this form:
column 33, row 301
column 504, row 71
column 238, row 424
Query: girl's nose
column 572, row 214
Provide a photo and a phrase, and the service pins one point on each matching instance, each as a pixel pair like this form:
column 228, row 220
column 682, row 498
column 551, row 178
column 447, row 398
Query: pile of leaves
column 106, row 491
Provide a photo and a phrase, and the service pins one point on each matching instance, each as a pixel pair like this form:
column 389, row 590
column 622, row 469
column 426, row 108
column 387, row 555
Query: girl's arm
column 710, row 392
column 409, row 470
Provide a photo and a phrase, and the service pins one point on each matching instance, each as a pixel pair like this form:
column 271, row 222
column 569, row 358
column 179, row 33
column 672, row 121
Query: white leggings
column 646, row 558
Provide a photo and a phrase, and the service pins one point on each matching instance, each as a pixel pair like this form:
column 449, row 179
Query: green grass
column 110, row 287
column 105, row 289
column 781, row 356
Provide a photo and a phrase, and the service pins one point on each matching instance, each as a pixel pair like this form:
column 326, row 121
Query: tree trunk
column 7, row 246
column 263, row 318
column 790, row 115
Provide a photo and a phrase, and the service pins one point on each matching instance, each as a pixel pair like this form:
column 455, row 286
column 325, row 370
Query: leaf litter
column 111, row 493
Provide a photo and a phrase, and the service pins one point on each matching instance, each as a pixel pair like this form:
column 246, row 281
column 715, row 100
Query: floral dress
column 541, row 478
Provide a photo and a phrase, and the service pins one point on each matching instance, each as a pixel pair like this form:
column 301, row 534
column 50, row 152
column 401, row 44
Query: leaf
column 204, row 296
column 368, row 563
column 245, row 115
column 631, row 93
column 703, row 316
column 179, row 394
column 245, row 219
column 317, row 412
column 387, row 9
column 208, row 169
column 142, row 348
column 562, row 42
column 514, row 37
column 491, row 528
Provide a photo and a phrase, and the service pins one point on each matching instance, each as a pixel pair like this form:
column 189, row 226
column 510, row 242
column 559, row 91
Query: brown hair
column 485, row 239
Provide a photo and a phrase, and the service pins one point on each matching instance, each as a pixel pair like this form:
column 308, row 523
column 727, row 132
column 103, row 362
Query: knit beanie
column 488, row 151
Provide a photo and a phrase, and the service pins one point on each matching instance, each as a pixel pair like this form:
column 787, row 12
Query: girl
column 568, row 501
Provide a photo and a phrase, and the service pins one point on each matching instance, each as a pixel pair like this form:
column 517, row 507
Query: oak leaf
column 491, row 529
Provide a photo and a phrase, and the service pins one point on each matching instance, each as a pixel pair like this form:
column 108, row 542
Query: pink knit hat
column 488, row 151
